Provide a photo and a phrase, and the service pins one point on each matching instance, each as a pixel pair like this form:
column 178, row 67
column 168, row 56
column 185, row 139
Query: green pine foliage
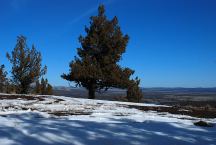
column 3, row 79
column 96, row 67
column 26, row 65
column 6, row 86
column 37, row 87
column 43, row 87
column 49, row 89
column 134, row 93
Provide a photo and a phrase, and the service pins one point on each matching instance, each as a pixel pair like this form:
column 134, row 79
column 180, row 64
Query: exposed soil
column 66, row 113
column 184, row 109
column 25, row 97
column 200, row 112
column 58, row 100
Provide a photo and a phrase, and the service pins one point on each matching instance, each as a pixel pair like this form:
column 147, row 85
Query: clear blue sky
column 172, row 42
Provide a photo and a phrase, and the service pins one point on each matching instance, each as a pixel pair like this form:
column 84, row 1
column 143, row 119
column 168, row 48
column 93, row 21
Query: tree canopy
column 43, row 87
column 96, row 67
column 26, row 65
column 3, row 79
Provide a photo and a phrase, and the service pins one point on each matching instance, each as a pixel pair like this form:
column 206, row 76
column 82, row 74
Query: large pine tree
column 26, row 65
column 96, row 66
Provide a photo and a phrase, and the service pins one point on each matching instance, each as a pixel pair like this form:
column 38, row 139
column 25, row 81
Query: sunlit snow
column 102, row 123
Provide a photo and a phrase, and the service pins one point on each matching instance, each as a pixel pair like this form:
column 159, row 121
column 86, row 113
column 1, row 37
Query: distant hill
column 153, row 95
column 179, row 89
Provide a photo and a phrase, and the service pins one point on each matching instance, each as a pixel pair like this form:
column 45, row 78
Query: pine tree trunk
column 91, row 92
column 23, row 88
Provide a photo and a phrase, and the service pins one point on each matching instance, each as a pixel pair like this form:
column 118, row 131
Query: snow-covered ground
column 71, row 121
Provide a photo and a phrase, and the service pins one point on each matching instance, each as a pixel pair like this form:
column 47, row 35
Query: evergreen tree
column 45, row 87
column 10, row 87
column 3, row 79
column 49, row 89
column 134, row 93
column 26, row 65
column 96, row 66
column 37, row 87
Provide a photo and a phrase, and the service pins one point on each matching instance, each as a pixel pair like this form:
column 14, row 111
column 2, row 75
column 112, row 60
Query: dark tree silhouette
column 43, row 87
column 3, row 79
column 96, row 68
column 134, row 93
column 26, row 65
column 37, row 87
column 49, row 89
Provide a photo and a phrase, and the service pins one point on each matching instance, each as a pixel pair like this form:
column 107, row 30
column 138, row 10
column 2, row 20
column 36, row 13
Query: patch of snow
column 108, row 123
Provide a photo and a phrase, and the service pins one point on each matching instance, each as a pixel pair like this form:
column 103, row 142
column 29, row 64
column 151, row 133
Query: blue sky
column 172, row 42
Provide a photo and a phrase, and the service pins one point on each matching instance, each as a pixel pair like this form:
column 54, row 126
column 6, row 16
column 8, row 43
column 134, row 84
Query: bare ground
column 191, row 110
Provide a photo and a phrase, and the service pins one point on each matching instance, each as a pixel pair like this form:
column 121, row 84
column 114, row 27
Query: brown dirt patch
column 191, row 111
column 65, row 113
column 25, row 97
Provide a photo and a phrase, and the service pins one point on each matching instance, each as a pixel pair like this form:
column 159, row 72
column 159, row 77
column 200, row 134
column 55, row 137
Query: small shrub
column 134, row 93
column 203, row 124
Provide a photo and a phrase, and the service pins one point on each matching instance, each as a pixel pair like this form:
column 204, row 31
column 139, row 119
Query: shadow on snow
column 35, row 130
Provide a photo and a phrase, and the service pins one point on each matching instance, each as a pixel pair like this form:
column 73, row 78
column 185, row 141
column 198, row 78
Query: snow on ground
column 95, row 122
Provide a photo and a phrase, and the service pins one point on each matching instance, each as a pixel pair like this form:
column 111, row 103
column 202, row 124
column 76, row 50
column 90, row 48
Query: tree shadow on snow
column 31, row 129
